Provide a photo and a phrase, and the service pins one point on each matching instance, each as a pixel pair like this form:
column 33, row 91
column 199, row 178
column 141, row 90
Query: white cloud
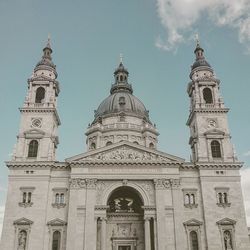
column 1, row 219
column 180, row 16
column 245, row 183
column 247, row 153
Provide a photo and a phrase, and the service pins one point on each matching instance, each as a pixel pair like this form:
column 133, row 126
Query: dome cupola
column 121, row 116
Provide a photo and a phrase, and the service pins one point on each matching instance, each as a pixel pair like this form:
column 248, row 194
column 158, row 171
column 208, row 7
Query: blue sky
column 156, row 38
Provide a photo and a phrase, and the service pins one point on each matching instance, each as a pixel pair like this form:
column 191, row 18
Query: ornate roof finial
column 49, row 41
column 197, row 40
column 121, row 58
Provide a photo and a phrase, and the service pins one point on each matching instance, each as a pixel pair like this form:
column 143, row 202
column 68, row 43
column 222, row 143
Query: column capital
column 147, row 218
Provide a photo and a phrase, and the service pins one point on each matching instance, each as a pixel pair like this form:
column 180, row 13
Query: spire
column 47, row 51
column 200, row 58
column 46, row 62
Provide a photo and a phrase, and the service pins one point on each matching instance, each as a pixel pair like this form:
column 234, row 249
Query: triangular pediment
column 125, row 152
column 226, row 221
column 192, row 222
column 23, row 221
column 57, row 222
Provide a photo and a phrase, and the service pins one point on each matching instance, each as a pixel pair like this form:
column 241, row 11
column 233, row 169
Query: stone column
column 147, row 233
column 103, row 233
column 160, row 190
column 90, row 221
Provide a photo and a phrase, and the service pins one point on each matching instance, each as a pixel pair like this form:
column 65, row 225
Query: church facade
column 123, row 193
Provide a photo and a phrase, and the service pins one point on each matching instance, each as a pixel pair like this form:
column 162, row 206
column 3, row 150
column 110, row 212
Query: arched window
column 122, row 100
column 108, row 143
column 29, row 197
column 194, row 240
column 57, row 200
column 220, row 198
column 215, row 148
column 40, row 94
column 207, row 95
column 225, row 200
column 62, row 198
column 92, row 146
column 192, row 199
column 33, row 148
column 187, row 199
column 56, row 240
column 24, row 197
column 151, row 145
column 121, row 78
column 135, row 142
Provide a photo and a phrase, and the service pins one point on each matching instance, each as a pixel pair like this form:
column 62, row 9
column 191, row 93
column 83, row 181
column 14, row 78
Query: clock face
column 211, row 123
column 36, row 122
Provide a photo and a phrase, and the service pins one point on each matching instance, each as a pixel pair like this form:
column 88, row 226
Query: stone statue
column 22, row 237
column 227, row 240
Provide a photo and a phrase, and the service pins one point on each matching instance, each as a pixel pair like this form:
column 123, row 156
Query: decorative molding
column 223, row 204
column 191, row 205
column 58, row 205
column 25, row 204
column 57, row 222
column 166, row 183
column 126, row 154
column 23, row 221
column 226, row 221
column 76, row 183
column 101, row 207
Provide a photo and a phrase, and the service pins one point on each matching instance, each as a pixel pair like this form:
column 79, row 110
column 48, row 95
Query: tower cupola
column 200, row 61
column 121, row 80
column 46, row 66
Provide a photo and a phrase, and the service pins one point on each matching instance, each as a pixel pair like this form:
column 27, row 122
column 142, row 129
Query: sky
column 156, row 38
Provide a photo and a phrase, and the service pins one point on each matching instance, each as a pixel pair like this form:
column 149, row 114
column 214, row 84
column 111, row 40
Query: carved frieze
column 76, row 183
column 166, row 183
column 126, row 154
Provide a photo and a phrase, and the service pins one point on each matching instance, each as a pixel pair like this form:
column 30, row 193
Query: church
column 123, row 193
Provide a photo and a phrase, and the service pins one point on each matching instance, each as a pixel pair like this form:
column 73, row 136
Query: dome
column 199, row 63
column 122, row 102
column 46, row 62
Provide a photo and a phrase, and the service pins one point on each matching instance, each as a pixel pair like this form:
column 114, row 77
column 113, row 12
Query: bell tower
column 37, row 139
column 209, row 132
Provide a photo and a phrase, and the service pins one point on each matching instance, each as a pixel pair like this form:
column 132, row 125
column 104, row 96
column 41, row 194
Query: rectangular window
column 59, row 197
column 26, row 196
column 222, row 196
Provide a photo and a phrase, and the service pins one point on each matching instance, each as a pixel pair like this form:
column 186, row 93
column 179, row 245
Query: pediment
column 125, row 152
column 226, row 221
column 57, row 222
column 23, row 221
column 193, row 222
column 34, row 133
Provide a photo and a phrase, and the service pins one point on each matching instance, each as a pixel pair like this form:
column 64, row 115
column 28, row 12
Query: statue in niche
column 122, row 205
column 22, row 238
column 228, row 240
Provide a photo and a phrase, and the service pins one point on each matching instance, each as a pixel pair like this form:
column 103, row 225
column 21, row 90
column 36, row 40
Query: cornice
column 42, row 110
column 211, row 165
column 38, row 164
column 205, row 110
column 89, row 163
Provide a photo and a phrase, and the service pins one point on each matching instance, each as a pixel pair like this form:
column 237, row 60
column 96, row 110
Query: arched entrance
column 125, row 220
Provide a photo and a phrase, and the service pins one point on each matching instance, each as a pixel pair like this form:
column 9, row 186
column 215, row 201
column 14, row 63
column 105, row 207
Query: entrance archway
column 124, row 220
